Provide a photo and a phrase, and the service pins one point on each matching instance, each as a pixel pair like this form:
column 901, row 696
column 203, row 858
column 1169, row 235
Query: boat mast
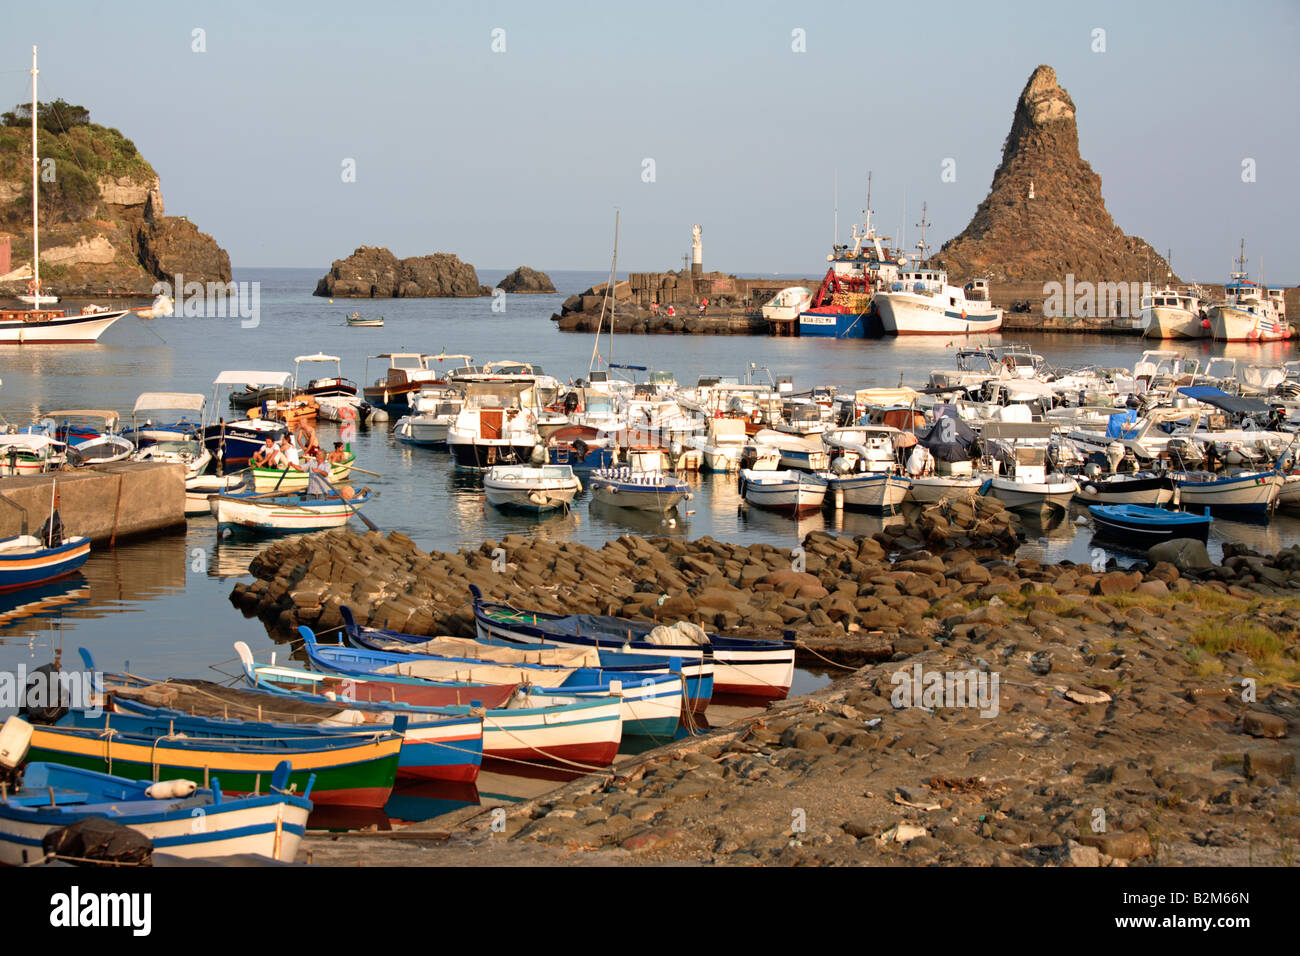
column 609, row 297
column 36, row 238
column 921, row 245
column 835, row 239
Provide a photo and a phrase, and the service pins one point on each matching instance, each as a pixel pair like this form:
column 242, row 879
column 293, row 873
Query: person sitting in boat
column 338, row 454
column 318, row 475
column 289, row 457
column 266, row 456
column 52, row 531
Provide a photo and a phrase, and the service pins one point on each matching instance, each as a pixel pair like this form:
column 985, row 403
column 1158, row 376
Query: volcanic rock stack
column 1064, row 228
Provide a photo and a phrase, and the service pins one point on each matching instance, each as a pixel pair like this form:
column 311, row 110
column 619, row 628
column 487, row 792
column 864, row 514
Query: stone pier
column 105, row 502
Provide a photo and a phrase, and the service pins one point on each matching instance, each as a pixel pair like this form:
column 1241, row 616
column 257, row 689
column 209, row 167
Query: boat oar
column 356, row 511
column 364, row 472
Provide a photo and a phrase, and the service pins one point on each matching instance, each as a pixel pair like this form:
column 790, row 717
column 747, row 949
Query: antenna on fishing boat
column 921, row 246
column 835, row 239
column 1240, row 262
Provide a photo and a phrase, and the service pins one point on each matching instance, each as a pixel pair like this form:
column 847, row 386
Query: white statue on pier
column 697, row 248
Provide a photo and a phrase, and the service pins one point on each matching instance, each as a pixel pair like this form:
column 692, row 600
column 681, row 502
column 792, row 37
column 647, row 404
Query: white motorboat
column 722, row 445
column 805, row 454
column 1028, row 487
column 795, row 492
column 496, row 425
column 642, row 490
column 527, row 488
column 187, row 452
column 788, row 304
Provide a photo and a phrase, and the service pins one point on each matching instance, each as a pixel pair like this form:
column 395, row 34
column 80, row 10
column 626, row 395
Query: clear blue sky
column 522, row 157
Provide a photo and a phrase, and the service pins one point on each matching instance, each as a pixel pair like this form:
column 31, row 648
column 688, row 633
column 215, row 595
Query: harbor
column 835, row 510
column 926, row 580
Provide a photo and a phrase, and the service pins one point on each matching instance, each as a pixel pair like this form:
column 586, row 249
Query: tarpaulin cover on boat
column 1229, row 403
column 1115, row 427
column 949, row 439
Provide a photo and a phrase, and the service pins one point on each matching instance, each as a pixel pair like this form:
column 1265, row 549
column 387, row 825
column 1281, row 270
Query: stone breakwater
column 842, row 596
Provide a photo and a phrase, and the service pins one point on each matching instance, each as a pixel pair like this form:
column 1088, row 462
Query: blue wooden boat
column 180, row 821
column 434, row 746
column 25, row 561
column 650, row 702
column 1142, row 525
column 743, row 667
column 698, row 674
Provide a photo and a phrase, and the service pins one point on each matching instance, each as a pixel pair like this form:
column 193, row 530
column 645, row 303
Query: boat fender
column 171, row 789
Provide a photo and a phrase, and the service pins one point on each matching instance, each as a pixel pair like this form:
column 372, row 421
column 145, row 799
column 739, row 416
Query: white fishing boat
column 186, row 452
column 284, row 513
column 37, row 326
column 1170, row 314
column 791, row 491
column 1028, row 486
column 924, row 303
column 528, row 488
column 1248, row 312
column 880, row 493
column 1252, row 492
column 787, row 305
column 641, row 490
column 358, row 321
column 90, row 434
column 1140, row 488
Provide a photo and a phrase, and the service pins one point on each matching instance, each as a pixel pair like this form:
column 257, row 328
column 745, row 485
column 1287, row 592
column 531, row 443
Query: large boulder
column 1183, row 553
column 527, row 281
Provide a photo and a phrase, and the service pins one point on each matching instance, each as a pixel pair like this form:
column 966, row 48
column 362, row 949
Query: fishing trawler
column 923, row 302
column 1249, row 312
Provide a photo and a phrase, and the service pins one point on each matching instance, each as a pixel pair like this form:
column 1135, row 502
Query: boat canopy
column 1014, row 431
column 257, row 379
column 27, row 442
column 1229, row 403
column 885, row 396
column 106, row 414
column 171, row 401
column 318, row 357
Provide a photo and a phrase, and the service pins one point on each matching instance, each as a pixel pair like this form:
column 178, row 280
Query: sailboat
column 49, row 326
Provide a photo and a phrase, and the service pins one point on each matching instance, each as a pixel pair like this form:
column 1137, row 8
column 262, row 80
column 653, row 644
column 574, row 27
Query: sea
column 160, row 607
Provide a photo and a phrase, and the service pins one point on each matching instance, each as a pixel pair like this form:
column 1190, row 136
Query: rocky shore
column 1140, row 716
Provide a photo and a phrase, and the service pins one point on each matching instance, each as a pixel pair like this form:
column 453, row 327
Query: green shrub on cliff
column 83, row 153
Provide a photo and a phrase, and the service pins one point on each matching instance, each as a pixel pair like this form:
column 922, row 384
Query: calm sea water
column 161, row 605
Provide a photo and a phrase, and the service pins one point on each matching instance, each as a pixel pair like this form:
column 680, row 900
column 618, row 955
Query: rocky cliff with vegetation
column 372, row 272
column 1044, row 215
column 102, row 221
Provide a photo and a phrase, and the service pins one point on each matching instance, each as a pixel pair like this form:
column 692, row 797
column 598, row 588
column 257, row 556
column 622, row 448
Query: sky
column 520, row 155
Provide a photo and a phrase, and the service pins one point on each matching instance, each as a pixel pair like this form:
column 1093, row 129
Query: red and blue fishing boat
column 25, row 561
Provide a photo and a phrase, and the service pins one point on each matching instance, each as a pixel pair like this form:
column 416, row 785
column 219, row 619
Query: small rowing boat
column 1142, row 526
column 181, row 821
column 25, row 561
column 359, row 321
column 292, row 478
column 285, row 514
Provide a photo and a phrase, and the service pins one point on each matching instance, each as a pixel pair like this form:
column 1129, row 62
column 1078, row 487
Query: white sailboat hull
column 56, row 330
